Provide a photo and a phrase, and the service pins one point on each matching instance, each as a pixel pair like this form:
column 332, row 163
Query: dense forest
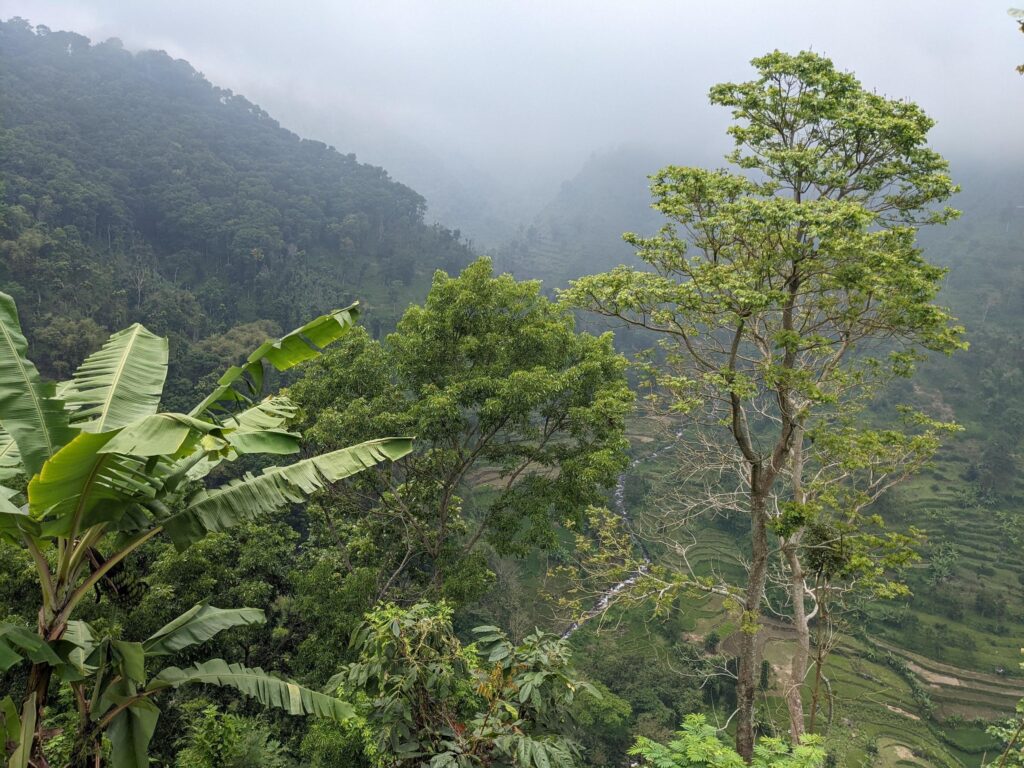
column 739, row 487
column 134, row 189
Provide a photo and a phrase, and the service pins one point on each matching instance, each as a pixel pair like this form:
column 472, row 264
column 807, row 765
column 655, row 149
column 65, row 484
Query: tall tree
column 519, row 422
column 785, row 289
column 108, row 472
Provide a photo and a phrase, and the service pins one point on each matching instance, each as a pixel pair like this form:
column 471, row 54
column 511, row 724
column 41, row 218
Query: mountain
column 579, row 231
column 134, row 189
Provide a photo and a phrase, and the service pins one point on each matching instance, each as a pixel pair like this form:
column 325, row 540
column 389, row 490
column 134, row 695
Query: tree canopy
column 519, row 422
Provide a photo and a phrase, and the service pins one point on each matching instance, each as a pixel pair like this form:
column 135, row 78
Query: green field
column 965, row 661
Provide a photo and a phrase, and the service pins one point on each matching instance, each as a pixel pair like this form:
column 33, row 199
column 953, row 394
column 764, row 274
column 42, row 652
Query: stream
column 619, row 507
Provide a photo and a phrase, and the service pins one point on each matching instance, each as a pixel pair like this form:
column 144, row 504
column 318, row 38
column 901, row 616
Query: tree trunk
column 38, row 685
column 87, row 751
column 749, row 661
column 798, row 664
column 797, row 588
column 819, row 657
column 39, row 677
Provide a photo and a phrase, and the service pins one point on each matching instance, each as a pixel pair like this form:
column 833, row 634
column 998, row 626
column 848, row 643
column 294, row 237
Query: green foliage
column 604, row 725
column 1009, row 734
column 430, row 700
column 114, row 692
column 222, row 740
column 196, row 211
column 785, row 293
column 698, row 743
column 121, row 383
column 254, row 682
column 814, row 254
column 519, row 422
column 34, row 422
column 350, row 744
column 110, row 473
column 135, row 190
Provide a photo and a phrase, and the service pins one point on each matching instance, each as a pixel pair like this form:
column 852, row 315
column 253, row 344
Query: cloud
column 525, row 90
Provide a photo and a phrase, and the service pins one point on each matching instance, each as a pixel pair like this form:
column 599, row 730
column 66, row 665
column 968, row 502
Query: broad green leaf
column 28, row 411
column 23, row 752
column 273, row 441
column 7, row 506
column 523, row 752
column 8, row 656
column 500, row 651
column 130, row 733
column 540, row 755
column 296, row 347
column 224, row 507
column 32, row 646
column 10, row 459
column 197, row 625
column 120, row 383
column 80, row 486
column 162, row 434
column 78, row 644
column 10, row 719
column 132, row 658
column 268, row 690
column 273, row 412
column 15, row 520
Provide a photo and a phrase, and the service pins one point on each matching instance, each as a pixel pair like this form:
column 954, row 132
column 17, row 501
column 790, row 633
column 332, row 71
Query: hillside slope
column 134, row 189
column 579, row 231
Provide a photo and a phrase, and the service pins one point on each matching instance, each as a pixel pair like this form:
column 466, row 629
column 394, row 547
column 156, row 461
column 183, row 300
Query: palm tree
column 107, row 471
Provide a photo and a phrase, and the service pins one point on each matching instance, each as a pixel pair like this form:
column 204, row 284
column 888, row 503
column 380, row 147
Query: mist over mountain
column 488, row 109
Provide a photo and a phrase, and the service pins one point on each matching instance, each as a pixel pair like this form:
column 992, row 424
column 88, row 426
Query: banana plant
column 115, row 695
column 107, row 472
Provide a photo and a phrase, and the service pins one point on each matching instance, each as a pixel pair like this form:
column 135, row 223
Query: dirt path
column 938, row 674
column 934, row 677
column 903, row 712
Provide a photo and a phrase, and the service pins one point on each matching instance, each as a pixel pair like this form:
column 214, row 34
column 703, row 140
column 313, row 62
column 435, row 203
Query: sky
column 521, row 93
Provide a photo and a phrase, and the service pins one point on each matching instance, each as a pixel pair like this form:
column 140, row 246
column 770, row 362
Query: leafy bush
column 219, row 740
column 425, row 695
column 698, row 743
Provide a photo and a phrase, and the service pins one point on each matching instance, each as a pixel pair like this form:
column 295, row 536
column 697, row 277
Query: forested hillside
column 134, row 189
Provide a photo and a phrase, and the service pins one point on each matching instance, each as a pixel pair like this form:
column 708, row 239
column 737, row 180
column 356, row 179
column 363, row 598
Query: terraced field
column 974, row 617
column 965, row 661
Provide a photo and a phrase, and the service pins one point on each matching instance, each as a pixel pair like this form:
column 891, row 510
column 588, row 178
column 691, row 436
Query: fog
column 507, row 99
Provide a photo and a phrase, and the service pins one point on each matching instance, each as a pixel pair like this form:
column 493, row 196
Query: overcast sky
column 531, row 88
